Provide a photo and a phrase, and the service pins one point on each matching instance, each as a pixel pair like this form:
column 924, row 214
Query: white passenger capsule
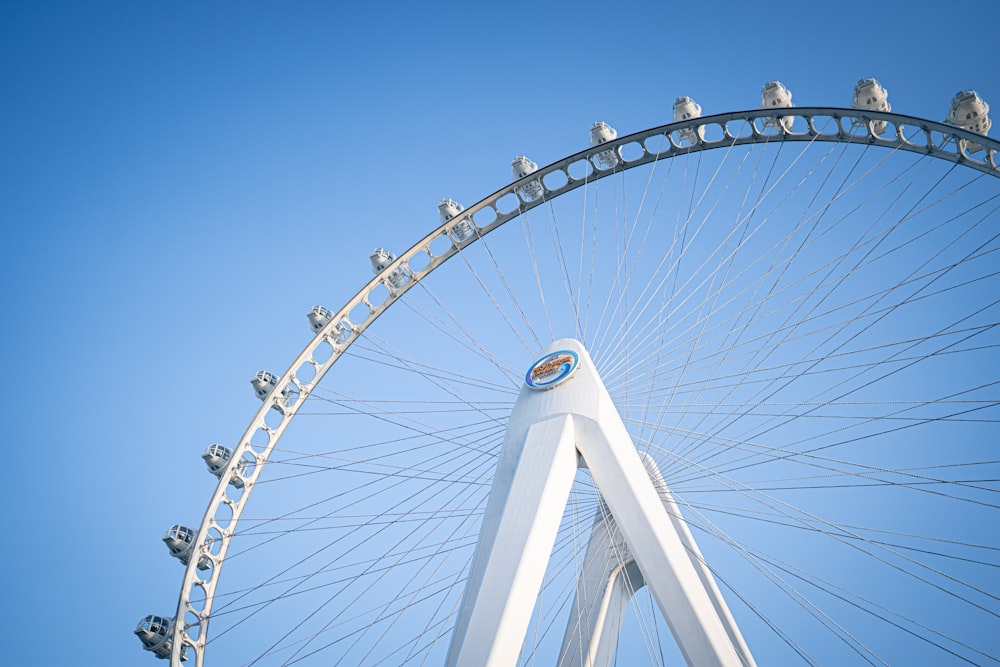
column 462, row 230
column 217, row 458
column 869, row 95
column 264, row 383
column 381, row 259
column 970, row 112
column 155, row 634
column 601, row 133
column 180, row 541
column 318, row 317
column 774, row 95
column 686, row 108
column 448, row 208
column 522, row 166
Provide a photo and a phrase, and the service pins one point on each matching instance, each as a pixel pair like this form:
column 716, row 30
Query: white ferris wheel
column 723, row 391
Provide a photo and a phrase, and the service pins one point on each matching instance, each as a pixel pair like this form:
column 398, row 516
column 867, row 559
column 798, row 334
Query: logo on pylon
column 552, row 369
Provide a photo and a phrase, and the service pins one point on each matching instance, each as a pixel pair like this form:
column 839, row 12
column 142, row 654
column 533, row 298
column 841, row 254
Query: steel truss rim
column 940, row 141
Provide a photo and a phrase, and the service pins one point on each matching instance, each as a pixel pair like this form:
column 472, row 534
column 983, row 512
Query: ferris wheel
column 793, row 313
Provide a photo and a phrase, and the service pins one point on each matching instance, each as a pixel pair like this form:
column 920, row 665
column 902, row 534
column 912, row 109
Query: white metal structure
column 552, row 431
column 610, row 578
column 787, row 326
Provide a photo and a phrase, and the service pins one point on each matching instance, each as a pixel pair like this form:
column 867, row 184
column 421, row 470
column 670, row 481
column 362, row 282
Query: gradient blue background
column 181, row 181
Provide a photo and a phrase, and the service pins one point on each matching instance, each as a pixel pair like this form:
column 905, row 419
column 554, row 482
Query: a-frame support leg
column 548, row 434
column 610, row 577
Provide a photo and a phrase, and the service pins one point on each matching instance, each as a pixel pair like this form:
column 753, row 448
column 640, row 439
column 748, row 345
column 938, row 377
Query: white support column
column 608, row 580
column 610, row 577
column 566, row 417
column 524, row 538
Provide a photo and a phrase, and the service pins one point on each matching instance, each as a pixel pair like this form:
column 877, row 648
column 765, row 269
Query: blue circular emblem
column 551, row 369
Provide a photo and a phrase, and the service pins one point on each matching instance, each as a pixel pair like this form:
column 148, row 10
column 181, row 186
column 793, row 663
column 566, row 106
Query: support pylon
column 610, row 578
column 564, row 418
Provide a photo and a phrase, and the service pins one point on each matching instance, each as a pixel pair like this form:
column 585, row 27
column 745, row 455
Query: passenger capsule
column 462, row 230
column 381, row 259
column 155, row 633
column 970, row 112
column 686, row 108
column 522, row 166
column 601, row 133
column 774, row 95
column 217, row 458
column 180, row 541
column 448, row 208
column 869, row 95
column 264, row 383
column 318, row 317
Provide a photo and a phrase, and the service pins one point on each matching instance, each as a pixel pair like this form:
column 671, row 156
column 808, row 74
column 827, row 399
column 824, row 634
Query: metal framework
column 809, row 124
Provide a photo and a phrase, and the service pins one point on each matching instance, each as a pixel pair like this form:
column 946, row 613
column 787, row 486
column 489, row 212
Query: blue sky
column 182, row 182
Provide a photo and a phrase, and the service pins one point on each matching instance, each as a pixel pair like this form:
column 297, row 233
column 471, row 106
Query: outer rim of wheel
column 939, row 140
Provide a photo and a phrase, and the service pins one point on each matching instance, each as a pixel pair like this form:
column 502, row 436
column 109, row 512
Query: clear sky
column 182, row 181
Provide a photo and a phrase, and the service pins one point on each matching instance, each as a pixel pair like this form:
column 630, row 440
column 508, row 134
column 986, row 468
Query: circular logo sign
column 551, row 369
